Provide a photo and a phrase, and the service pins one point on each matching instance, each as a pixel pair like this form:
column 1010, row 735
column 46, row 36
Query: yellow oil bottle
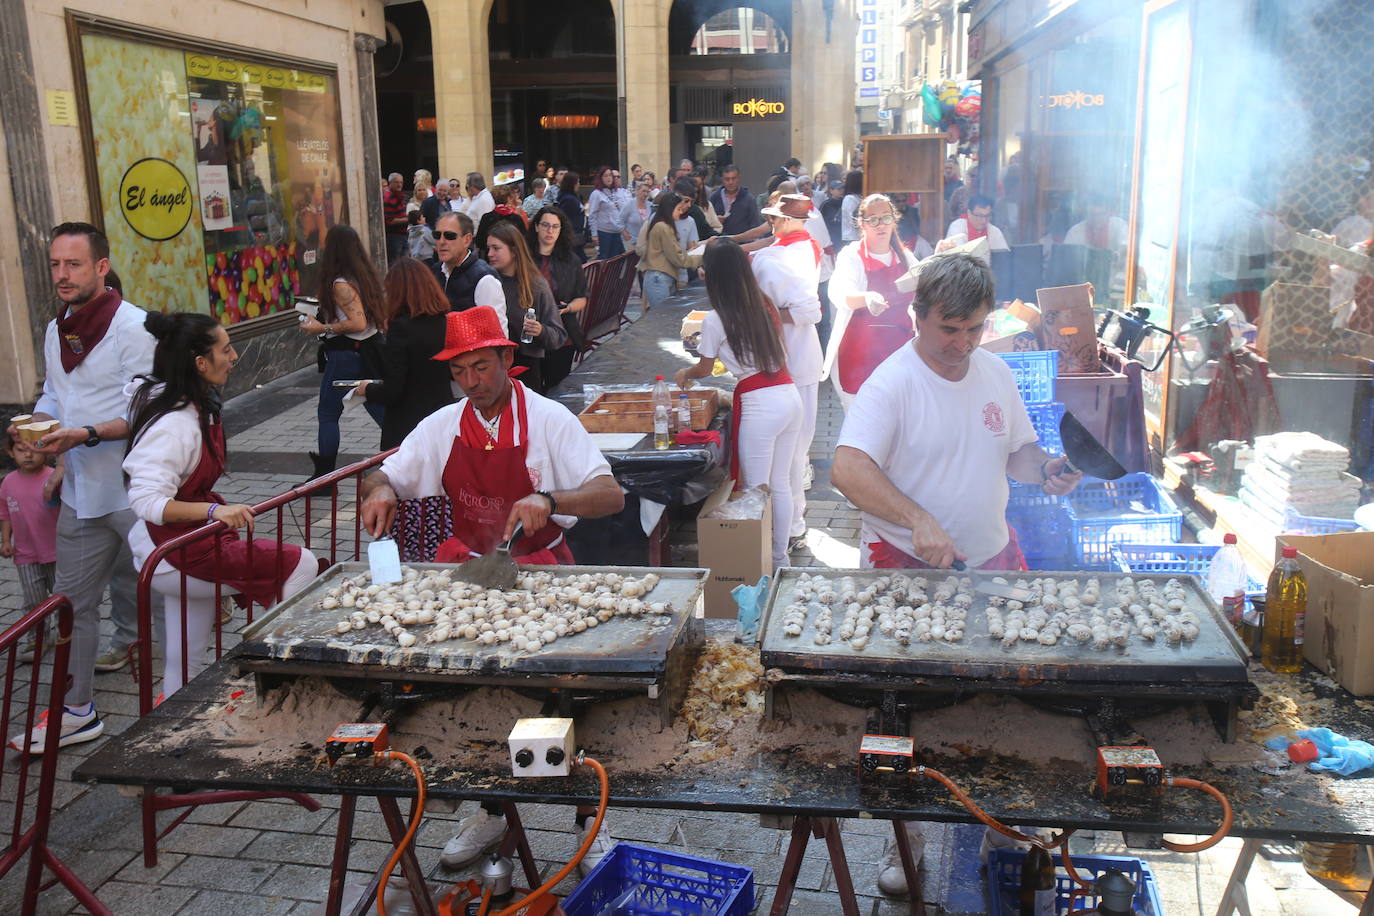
column 1285, row 615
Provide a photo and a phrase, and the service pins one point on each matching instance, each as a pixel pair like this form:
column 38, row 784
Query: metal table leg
column 1233, row 898
column 338, row 869
column 410, row 866
column 827, row 828
column 911, row 869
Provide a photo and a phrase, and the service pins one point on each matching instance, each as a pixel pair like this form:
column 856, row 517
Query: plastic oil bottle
column 1285, row 615
column 663, row 410
column 1331, row 861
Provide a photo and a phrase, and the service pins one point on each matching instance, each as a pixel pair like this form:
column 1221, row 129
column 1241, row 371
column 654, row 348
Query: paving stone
column 128, row 899
column 221, row 902
column 272, row 846
column 299, row 882
column 281, row 815
column 220, row 873
column 207, row 840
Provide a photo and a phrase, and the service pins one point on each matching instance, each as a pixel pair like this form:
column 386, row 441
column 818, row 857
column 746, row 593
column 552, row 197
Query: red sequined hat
column 472, row 329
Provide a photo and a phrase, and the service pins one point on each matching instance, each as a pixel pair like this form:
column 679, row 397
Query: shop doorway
column 711, row 145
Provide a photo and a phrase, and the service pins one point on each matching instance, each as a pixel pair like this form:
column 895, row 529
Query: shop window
column 216, row 176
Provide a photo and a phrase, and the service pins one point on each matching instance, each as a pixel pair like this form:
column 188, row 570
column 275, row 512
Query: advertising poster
column 216, row 211
column 145, row 156
column 208, row 132
column 314, row 180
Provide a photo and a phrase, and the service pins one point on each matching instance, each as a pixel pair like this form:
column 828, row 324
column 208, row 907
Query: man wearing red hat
column 789, row 273
column 503, row 454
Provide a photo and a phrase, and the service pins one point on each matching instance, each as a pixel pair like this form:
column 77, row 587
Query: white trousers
column 770, row 424
column 201, row 613
column 802, row 456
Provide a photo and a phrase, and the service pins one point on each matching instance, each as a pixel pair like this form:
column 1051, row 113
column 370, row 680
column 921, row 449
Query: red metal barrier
column 308, row 495
column 19, row 713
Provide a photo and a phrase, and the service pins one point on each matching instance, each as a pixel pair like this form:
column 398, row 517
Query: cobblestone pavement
column 271, row 857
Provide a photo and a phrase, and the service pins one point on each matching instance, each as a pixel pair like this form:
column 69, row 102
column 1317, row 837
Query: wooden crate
column 633, row 411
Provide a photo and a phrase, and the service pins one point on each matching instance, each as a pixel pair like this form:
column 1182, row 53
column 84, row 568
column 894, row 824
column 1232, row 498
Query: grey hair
column 476, row 180
column 395, row 175
column 958, row 284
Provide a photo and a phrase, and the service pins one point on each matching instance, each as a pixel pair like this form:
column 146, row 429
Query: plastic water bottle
column 663, row 404
column 661, row 438
column 1227, row 578
column 526, row 336
column 684, row 411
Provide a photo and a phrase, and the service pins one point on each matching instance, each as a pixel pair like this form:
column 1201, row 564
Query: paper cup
column 20, row 419
column 34, row 432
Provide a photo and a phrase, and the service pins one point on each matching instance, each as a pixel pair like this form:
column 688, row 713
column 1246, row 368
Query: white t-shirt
column 944, row 444
column 715, row 345
column 790, row 276
column 561, row 455
column 958, row 230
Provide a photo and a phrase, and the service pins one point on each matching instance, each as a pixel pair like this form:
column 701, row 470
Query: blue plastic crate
column 1293, row 523
column 1004, row 882
column 644, row 881
column 1132, row 510
column 1195, row 559
column 1035, row 372
column 1045, row 419
column 1045, row 533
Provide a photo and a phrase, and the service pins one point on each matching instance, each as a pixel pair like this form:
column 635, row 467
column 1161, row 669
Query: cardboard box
column 1339, row 635
column 734, row 542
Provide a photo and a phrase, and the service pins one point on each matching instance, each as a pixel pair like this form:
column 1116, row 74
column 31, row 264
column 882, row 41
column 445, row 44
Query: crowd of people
column 451, row 351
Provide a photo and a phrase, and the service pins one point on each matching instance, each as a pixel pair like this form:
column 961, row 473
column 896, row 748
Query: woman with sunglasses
column 871, row 315
column 550, row 242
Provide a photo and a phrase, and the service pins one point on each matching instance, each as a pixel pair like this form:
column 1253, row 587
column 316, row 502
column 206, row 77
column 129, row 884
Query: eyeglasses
column 549, row 226
column 876, row 221
column 448, row 235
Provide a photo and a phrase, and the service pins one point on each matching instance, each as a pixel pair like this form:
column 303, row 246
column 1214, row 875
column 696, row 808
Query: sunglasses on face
column 449, row 235
column 876, row 221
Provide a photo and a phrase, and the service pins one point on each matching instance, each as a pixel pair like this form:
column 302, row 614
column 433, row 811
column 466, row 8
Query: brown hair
column 525, row 272
column 343, row 258
column 411, row 290
column 743, row 309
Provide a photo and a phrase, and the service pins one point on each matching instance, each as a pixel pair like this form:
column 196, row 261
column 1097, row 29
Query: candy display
column 252, row 282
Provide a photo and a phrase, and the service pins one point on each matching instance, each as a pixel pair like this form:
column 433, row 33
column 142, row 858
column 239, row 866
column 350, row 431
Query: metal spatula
column 384, row 561
column 988, row 587
column 495, row 570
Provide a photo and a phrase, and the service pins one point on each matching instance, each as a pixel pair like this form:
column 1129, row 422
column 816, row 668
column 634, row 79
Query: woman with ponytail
column 175, row 454
column 743, row 331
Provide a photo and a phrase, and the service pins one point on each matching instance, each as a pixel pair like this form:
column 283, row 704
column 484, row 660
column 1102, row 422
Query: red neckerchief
column 872, row 264
column 78, row 332
column 472, row 432
column 798, row 235
column 974, row 233
column 1099, row 236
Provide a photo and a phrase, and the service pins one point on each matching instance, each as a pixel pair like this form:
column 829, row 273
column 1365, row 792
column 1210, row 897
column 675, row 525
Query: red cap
column 1290, row 552
column 658, row 378
column 1302, row 751
column 1229, row 539
column 472, row 329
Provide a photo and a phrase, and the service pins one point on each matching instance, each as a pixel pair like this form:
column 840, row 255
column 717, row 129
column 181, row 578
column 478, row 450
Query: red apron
column 869, row 339
column 754, row 382
column 225, row 558
column 884, row 556
column 484, row 477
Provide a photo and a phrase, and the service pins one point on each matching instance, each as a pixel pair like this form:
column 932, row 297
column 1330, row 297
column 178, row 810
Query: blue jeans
column 657, row 286
column 339, row 364
column 609, row 244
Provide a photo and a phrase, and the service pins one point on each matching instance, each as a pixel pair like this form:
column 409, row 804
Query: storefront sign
column 155, row 199
column 229, row 70
column 1076, row 99
column 758, row 108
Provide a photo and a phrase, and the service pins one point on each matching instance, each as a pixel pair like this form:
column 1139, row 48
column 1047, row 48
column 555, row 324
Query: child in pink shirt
column 28, row 526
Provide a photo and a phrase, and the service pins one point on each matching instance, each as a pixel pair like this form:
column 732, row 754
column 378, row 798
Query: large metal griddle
column 1210, row 669
column 298, row 637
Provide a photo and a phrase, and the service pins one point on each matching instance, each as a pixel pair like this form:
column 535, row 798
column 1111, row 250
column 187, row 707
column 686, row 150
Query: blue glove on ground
column 1339, row 754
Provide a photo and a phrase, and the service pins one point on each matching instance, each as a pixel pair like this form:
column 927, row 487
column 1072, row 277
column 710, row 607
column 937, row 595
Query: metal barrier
column 608, row 290
column 19, row 713
column 307, row 494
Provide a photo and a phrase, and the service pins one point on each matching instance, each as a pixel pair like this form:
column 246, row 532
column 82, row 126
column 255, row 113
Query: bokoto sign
column 758, row 108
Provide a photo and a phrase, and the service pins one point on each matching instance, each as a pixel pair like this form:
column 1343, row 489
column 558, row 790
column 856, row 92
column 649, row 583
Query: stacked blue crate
column 1043, row 524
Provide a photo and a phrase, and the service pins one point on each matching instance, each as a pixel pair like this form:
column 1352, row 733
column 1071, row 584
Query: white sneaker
column 477, row 833
column 600, row 848
column 76, row 729
column 891, row 877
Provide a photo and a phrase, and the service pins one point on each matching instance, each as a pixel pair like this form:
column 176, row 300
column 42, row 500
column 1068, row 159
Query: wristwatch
column 553, row 503
column 93, row 439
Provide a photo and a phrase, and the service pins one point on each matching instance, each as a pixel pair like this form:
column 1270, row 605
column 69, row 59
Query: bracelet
column 553, row 503
column 210, row 514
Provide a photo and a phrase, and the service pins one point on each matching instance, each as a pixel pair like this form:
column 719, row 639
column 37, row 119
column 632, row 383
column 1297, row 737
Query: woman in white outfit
column 743, row 331
column 176, row 453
